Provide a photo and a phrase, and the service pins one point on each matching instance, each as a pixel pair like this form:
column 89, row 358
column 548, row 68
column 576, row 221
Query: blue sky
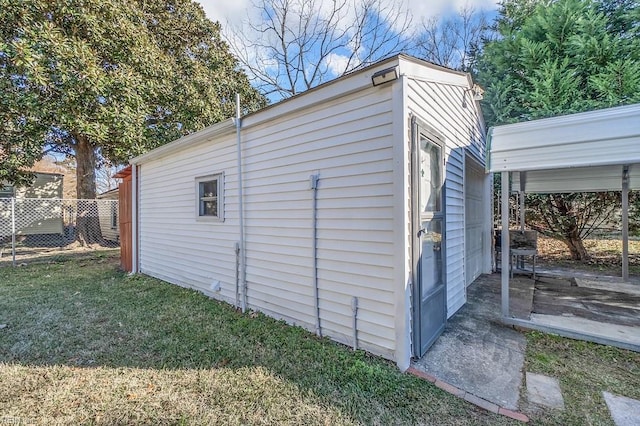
column 234, row 11
column 256, row 51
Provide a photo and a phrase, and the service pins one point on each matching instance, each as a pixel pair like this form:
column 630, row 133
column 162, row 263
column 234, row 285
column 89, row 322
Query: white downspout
column 313, row 181
column 354, row 320
column 134, row 218
column 243, row 256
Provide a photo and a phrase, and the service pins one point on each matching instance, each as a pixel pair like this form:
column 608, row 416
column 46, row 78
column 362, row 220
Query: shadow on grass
column 83, row 313
column 58, row 255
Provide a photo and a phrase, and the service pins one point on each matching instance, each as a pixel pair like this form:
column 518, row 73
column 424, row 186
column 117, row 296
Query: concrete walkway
column 624, row 411
column 476, row 353
column 481, row 360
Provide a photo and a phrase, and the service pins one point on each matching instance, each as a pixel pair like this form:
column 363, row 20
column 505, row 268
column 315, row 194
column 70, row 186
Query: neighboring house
column 38, row 207
column 365, row 210
column 108, row 214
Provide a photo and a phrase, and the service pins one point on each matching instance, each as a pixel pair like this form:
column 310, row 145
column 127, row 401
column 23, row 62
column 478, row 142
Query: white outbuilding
column 359, row 210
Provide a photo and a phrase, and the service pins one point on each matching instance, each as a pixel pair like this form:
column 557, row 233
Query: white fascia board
column 222, row 128
column 425, row 71
column 569, row 119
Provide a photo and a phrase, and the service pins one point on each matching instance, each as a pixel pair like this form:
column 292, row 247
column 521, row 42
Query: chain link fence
column 32, row 228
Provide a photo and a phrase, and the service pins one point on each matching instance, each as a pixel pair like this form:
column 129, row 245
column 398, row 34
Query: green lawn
column 584, row 370
column 85, row 343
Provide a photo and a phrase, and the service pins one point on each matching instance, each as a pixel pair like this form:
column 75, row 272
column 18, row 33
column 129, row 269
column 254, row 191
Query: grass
column 584, row 370
column 86, row 344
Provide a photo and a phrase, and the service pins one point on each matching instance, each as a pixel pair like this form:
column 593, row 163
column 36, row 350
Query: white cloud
column 337, row 64
column 233, row 12
column 427, row 9
column 226, row 11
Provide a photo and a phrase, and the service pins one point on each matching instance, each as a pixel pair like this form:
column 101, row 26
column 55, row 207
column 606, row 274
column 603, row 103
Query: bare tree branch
column 450, row 42
column 295, row 45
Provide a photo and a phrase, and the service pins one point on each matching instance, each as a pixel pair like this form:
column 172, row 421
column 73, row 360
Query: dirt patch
column 48, row 254
column 606, row 255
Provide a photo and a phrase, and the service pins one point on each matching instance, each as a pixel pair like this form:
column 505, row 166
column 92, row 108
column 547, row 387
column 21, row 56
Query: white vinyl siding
column 108, row 215
column 475, row 221
column 348, row 143
column 440, row 106
column 173, row 245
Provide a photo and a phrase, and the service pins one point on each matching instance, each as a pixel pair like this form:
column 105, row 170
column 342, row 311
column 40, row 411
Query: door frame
column 419, row 127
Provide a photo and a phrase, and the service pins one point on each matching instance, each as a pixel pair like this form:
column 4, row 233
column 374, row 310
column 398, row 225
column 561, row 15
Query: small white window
column 114, row 215
column 209, row 191
column 6, row 191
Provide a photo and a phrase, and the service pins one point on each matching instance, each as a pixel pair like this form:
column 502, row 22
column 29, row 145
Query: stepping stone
column 624, row 411
column 544, row 391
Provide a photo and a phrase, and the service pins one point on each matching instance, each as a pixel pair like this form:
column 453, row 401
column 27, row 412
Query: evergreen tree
column 558, row 57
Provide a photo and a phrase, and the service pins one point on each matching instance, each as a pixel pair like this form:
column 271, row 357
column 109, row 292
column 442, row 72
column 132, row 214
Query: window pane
column 208, row 197
column 209, row 188
column 430, row 176
column 209, row 208
column 6, row 191
column 114, row 215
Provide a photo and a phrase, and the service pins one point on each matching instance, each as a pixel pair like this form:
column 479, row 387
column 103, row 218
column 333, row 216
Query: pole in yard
column 505, row 264
column 13, row 229
column 625, row 223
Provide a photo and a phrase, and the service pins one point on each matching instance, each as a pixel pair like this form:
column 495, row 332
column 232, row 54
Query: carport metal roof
column 591, row 151
column 605, row 137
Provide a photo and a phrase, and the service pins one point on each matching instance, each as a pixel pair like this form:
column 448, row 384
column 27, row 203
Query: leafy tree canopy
column 109, row 79
column 558, row 57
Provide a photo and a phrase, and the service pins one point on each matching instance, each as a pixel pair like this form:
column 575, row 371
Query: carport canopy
column 595, row 145
column 584, row 152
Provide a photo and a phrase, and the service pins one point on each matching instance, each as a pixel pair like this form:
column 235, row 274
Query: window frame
column 219, row 178
column 7, row 191
column 113, row 208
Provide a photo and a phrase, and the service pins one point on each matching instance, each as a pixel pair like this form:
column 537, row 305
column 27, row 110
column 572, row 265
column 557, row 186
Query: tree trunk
column 576, row 246
column 85, row 169
column 88, row 230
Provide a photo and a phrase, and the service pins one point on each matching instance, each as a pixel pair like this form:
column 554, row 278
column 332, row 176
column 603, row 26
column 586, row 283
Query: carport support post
column 625, row 223
column 504, row 182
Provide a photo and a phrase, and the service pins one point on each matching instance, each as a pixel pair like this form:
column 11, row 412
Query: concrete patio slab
column 476, row 353
column 609, row 286
column 544, row 391
column 624, row 411
column 561, row 296
column 623, row 333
